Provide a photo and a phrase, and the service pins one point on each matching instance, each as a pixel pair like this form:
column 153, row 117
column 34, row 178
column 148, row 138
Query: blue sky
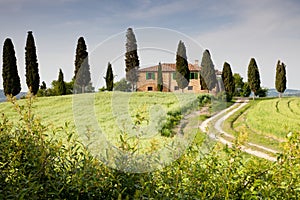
column 233, row 31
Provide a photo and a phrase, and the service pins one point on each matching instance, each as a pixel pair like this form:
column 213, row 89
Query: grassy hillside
column 267, row 122
column 111, row 114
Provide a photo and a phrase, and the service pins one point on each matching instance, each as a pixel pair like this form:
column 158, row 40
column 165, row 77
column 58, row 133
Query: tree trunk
column 280, row 94
column 82, row 89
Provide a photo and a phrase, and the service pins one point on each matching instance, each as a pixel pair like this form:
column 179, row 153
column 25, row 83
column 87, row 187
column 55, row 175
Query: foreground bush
column 35, row 164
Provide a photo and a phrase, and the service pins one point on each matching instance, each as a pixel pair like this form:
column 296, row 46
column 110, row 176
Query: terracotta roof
column 168, row 67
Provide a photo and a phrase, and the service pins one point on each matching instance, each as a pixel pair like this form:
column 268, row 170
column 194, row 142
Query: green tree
column 238, row 82
column 122, row 85
column 182, row 67
column 253, row 77
column 109, row 78
column 202, row 83
column 11, row 79
column 208, row 70
column 43, row 86
column 228, row 81
column 61, row 86
column 32, row 70
column 262, row 92
column 280, row 81
column 160, row 85
column 131, row 59
column 245, row 91
column 82, row 73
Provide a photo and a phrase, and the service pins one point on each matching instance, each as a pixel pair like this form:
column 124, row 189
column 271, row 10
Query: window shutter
column 153, row 76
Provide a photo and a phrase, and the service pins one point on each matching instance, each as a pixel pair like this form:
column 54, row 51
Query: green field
column 111, row 114
column 266, row 122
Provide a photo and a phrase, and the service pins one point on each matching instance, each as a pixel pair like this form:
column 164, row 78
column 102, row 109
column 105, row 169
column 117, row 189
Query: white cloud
column 266, row 30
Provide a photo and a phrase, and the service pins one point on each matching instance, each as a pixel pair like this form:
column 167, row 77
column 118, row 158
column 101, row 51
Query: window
column 176, row 88
column 150, row 88
column 190, row 87
column 193, row 75
column 150, row 75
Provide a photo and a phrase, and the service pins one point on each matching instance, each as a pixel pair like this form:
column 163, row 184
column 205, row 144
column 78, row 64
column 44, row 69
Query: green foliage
column 241, row 89
column 262, row 92
column 160, row 85
column 202, row 83
column 35, row 164
column 253, row 76
column 280, row 81
column 62, row 90
column 43, row 86
column 182, row 68
column 208, row 71
column 122, row 85
column 246, row 91
column 54, row 90
column 82, row 73
column 131, row 58
column 228, row 81
column 109, row 78
column 11, row 79
column 32, row 70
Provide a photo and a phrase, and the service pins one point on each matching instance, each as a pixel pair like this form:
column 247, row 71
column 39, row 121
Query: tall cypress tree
column 82, row 75
column 11, row 79
column 253, row 77
column 159, row 78
column 182, row 67
column 109, row 78
column 228, row 81
column 202, row 83
column 280, row 81
column 61, row 84
column 32, row 70
column 208, row 71
column 131, row 59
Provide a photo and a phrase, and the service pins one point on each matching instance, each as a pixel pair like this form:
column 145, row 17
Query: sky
column 233, row 30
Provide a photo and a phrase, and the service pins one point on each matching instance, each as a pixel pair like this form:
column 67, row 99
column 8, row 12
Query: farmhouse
column 147, row 78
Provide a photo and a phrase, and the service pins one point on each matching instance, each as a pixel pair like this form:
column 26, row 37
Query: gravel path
column 217, row 121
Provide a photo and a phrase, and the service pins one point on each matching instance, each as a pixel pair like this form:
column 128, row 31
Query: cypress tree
column 182, row 68
column 61, row 84
column 159, row 78
column 43, row 86
column 280, row 81
column 253, row 77
column 11, row 79
column 228, row 81
column 131, row 59
column 109, row 78
column 82, row 75
column 32, row 70
column 208, row 70
column 202, row 83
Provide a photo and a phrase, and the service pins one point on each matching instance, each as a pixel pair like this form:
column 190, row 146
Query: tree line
column 81, row 82
column 233, row 84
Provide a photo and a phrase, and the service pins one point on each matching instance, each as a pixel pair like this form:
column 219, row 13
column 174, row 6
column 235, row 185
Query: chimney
column 197, row 62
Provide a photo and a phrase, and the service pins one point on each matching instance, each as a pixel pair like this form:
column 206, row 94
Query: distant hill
column 289, row 92
column 3, row 97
